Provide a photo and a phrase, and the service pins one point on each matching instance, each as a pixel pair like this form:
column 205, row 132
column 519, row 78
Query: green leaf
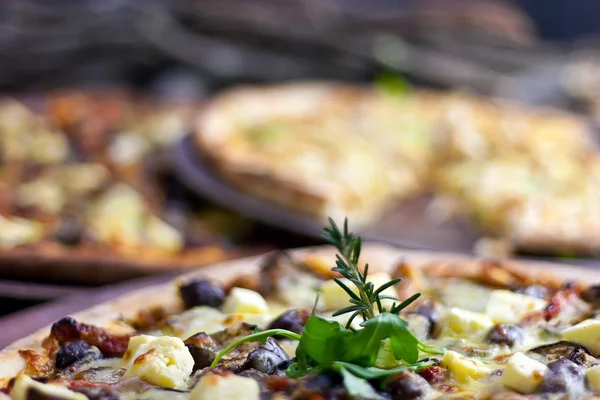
column 255, row 337
column 386, row 285
column 378, row 373
column 406, row 303
column 347, row 290
column 345, row 310
column 357, row 387
column 323, row 340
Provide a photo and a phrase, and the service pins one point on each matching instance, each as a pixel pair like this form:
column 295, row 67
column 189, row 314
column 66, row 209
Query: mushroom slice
column 564, row 349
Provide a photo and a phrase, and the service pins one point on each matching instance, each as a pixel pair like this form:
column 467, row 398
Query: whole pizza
column 526, row 175
column 321, row 324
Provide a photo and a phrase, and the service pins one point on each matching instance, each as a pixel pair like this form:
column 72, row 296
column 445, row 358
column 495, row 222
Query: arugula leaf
column 371, row 373
column 357, row 387
column 255, row 337
column 322, row 340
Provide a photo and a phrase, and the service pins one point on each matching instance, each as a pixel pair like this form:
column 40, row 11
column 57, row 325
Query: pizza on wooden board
column 527, row 175
column 287, row 326
column 79, row 182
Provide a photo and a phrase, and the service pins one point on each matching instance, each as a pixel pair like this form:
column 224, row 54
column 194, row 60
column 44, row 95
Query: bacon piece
column 565, row 307
column 434, row 374
column 68, row 330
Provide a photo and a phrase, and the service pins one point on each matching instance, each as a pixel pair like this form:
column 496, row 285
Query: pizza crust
column 380, row 257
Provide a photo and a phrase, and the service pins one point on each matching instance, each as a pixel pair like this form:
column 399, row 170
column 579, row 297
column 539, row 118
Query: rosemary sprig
column 368, row 299
column 328, row 346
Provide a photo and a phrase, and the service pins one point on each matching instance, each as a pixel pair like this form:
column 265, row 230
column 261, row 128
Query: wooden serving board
column 405, row 224
column 125, row 301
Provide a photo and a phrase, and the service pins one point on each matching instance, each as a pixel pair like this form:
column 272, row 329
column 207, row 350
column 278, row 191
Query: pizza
column 82, row 180
column 524, row 175
column 283, row 326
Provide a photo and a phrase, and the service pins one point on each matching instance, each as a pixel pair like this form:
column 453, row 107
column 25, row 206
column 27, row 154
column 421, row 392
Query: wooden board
column 128, row 304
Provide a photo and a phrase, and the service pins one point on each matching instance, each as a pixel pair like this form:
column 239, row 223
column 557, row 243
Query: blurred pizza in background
column 529, row 178
column 84, row 182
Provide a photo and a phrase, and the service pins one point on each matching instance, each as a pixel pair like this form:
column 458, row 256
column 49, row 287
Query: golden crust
column 111, row 314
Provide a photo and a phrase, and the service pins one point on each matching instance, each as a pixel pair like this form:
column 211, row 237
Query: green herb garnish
column 329, row 346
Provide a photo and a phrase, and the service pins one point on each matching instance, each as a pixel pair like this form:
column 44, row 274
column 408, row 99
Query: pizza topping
column 564, row 376
column 203, row 349
column 407, row 385
column 164, row 361
column 17, row 231
column 245, row 301
column 506, row 334
column 75, row 352
column 593, row 377
column 566, row 350
column 523, row 374
column 592, row 295
column 464, row 369
column 537, row 291
column 505, row 306
column 291, row 320
column 586, row 333
column 69, row 231
column 464, row 323
column 201, row 292
column 225, row 386
column 266, row 357
column 26, row 388
column 68, row 330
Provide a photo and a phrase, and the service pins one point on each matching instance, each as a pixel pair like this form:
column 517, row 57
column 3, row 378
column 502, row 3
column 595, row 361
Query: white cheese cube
column 505, row 306
column 16, row 231
column 26, row 388
column 117, row 217
column 225, row 387
column 593, row 377
column 335, row 298
column 162, row 235
column 245, row 301
column 523, row 374
column 585, row 333
column 163, row 361
column 209, row 320
column 463, row 323
column 464, row 369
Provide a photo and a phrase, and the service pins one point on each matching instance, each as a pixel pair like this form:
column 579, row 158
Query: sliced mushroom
column 203, row 349
column 566, row 350
column 266, row 357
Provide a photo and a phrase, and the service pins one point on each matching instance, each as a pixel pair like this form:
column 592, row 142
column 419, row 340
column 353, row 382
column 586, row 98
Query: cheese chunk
column 225, row 387
column 16, row 231
column 593, row 377
column 505, row 306
column 245, row 301
column 26, row 388
column 585, row 333
column 335, row 298
column 162, row 235
column 208, row 320
column 462, row 323
column 163, row 361
column 523, row 374
column 464, row 369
